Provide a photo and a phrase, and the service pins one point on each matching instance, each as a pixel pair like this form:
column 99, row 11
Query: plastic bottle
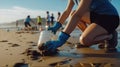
column 44, row 36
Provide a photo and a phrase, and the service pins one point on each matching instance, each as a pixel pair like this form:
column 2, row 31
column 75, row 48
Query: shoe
column 112, row 43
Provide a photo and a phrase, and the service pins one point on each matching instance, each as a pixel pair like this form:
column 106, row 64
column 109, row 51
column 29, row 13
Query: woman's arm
column 67, row 11
column 80, row 11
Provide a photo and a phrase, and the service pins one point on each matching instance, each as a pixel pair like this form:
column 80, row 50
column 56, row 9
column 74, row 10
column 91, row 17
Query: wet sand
column 22, row 48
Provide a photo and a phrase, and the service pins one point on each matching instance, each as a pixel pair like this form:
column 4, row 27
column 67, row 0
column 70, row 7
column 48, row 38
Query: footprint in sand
column 9, row 43
column 92, row 65
column 32, row 54
column 60, row 62
column 14, row 45
column 30, row 42
column 4, row 41
column 20, row 65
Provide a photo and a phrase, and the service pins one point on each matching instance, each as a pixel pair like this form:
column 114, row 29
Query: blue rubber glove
column 53, row 45
column 55, row 27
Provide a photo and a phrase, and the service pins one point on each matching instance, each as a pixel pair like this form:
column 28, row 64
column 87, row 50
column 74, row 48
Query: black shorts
column 27, row 24
column 108, row 22
column 39, row 23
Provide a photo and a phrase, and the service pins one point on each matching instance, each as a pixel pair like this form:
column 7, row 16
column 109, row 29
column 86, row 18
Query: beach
column 14, row 46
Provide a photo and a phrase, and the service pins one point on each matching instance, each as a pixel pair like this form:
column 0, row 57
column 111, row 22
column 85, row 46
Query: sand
column 14, row 48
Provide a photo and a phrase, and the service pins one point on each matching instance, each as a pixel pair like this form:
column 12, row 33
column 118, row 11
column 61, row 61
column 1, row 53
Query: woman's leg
column 82, row 25
column 84, row 21
column 94, row 33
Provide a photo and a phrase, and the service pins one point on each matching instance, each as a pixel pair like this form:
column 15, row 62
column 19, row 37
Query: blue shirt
column 103, row 7
column 27, row 20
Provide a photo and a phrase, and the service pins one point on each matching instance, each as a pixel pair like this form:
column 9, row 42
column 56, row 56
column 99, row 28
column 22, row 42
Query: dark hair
column 47, row 12
column 28, row 16
column 59, row 13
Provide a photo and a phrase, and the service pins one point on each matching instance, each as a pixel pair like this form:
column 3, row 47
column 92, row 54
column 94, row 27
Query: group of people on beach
column 104, row 20
column 49, row 21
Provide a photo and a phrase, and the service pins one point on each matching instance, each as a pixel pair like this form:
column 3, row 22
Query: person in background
column 104, row 21
column 27, row 23
column 16, row 23
column 48, row 19
column 39, row 22
column 52, row 19
column 59, row 14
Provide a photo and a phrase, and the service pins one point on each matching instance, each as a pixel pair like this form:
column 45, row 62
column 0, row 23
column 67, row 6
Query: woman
column 39, row 22
column 104, row 21
column 59, row 14
column 48, row 19
column 27, row 23
column 52, row 19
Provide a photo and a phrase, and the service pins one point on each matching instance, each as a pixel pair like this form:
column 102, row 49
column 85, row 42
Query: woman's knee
column 85, row 41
